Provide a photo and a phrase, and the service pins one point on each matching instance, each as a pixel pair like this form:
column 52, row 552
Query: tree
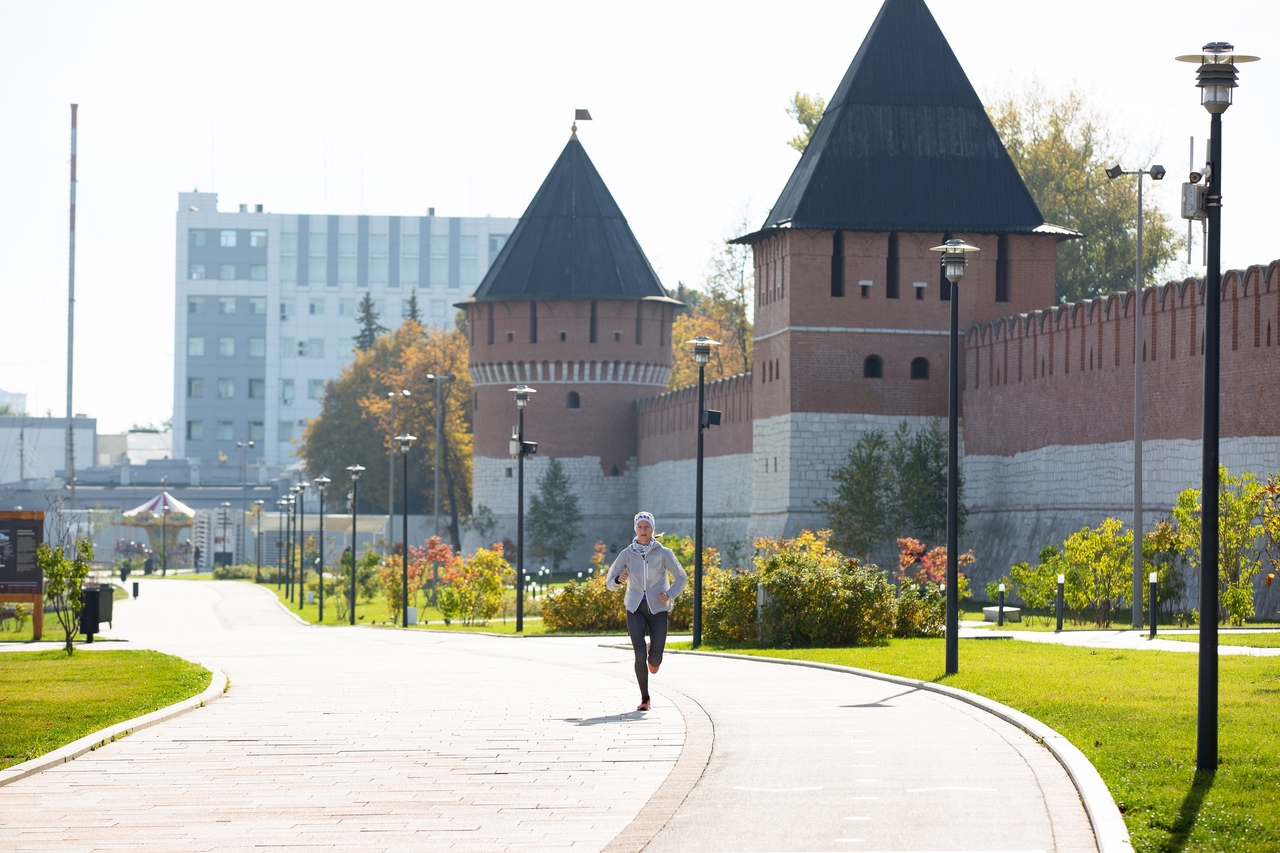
column 554, row 516
column 1098, row 563
column 918, row 466
column 367, row 320
column 807, row 110
column 1062, row 150
column 64, row 578
column 411, row 311
column 858, row 513
column 721, row 311
column 1241, row 503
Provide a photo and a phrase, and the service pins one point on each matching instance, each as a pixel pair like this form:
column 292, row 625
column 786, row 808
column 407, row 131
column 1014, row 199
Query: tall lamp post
column 1157, row 173
column 355, row 471
column 257, row 540
column 406, row 441
column 244, row 494
column 701, row 354
column 299, row 527
column 281, row 505
column 953, row 264
column 1215, row 79
column 520, row 449
column 391, row 469
column 226, row 548
column 435, row 473
column 321, row 483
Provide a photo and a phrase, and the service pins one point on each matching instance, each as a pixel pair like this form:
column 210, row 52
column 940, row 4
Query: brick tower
column 572, row 308
column 851, row 312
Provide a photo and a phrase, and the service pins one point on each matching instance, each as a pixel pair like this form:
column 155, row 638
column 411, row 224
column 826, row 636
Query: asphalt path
column 364, row 739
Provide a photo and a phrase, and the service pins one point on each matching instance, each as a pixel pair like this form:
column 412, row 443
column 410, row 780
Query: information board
column 20, row 534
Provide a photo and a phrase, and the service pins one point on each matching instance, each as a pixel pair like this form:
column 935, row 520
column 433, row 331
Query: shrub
column 585, row 605
column 471, row 590
column 920, row 612
column 729, row 605
column 232, row 573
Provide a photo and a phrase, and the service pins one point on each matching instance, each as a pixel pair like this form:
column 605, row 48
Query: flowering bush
column 391, row 580
column 471, row 589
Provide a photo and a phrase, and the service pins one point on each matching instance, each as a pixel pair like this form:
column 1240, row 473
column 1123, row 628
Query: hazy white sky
column 393, row 106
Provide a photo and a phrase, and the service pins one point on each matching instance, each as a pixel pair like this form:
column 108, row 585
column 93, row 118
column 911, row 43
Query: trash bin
column 96, row 609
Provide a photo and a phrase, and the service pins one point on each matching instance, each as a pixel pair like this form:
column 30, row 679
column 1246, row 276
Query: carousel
column 163, row 517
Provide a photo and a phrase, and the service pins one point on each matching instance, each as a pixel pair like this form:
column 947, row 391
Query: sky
column 388, row 107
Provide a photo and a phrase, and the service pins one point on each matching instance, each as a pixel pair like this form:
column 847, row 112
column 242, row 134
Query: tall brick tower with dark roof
column 851, row 312
column 572, row 308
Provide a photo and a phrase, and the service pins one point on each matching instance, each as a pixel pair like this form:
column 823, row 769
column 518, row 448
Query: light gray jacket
column 647, row 576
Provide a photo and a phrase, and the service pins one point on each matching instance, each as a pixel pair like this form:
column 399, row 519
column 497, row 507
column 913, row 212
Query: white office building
column 266, row 312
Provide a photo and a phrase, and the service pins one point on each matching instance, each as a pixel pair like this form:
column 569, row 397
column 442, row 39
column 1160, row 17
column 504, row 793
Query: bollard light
column 1000, row 612
column 1152, row 580
column 1062, row 580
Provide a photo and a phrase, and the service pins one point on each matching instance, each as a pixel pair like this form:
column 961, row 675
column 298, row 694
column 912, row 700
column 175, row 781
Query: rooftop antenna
column 71, row 318
column 579, row 115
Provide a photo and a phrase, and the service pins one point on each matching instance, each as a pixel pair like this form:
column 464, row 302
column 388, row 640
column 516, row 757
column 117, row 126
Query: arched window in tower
column 920, row 368
column 873, row 367
column 574, row 401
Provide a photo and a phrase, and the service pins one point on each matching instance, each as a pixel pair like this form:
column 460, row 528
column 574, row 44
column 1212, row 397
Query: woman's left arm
column 672, row 565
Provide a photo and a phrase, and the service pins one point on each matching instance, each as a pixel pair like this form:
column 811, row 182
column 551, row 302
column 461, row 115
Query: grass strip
column 1133, row 714
column 48, row 700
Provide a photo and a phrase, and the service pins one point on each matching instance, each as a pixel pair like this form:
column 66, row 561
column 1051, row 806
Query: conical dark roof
column 905, row 145
column 571, row 243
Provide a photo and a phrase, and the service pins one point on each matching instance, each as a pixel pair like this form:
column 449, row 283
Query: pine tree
column 554, row 516
column 412, row 312
column 368, row 323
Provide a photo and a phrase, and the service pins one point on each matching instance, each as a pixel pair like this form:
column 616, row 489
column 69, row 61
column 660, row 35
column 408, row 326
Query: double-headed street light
column 1157, row 173
column 406, row 441
column 281, row 505
column 953, row 264
column 1215, row 79
column 321, row 483
column 355, row 471
column 300, row 518
column 244, row 492
column 520, row 449
column 257, row 540
column 391, row 468
column 701, row 354
column 226, row 548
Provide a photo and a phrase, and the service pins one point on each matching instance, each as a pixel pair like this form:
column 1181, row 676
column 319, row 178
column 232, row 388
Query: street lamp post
column 953, row 264
column 291, row 548
column 226, row 512
column 355, row 471
column 1215, row 79
column 321, row 483
column 244, row 494
column 281, row 504
column 520, row 449
column 300, row 516
column 406, row 441
column 1157, row 173
column 257, row 540
column 701, row 354
column 391, row 468
column 435, row 475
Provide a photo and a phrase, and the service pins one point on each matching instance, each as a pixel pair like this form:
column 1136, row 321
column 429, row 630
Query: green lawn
column 1259, row 640
column 48, row 700
column 1133, row 714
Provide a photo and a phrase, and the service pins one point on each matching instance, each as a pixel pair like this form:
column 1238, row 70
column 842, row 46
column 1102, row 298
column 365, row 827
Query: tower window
column 1002, row 268
column 574, row 401
column 919, row 368
column 891, row 268
column 873, row 367
column 837, row 263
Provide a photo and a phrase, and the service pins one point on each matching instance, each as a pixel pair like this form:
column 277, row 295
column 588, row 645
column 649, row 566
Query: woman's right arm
column 619, row 566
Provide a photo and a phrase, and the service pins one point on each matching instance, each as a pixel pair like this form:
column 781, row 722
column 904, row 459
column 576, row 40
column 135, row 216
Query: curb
column 1109, row 830
column 75, row 749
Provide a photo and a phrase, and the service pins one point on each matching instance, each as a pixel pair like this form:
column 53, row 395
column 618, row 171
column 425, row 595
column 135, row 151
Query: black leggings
column 655, row 624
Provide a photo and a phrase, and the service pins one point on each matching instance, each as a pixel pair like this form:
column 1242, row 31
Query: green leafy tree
column 472, row 589
column 1062, row 149
column 1098, row 562
column 367, row 321
column 859, row 511
column 807, row 110
column 411, row 310
column 1240, row 517
column 63, row 579
column 482, row 522
column 918, row 465
column 554, row 516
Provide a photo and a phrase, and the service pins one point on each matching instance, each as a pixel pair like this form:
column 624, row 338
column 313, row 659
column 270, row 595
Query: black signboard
column 20, row 534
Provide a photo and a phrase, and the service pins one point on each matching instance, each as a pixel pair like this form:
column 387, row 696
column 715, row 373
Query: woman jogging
column 643, row 567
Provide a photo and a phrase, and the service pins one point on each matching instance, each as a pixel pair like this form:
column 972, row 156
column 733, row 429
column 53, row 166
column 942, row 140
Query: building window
column 289, row 256
column 377, row 258
column 284, row 431
column 195, row 304
column 258, row 239
column 226, row 389
column 315, row 389
column 195, row 430
column 891, row 268
column 195, row 386
column 438, row 309
column 315, row 348
column 316, row 308
column 257, row 305
column 195, row 272
column 257, row 272
column 256, row 431
column 496, row 242
column 346, row 307
column 195, row 346
column 195, row 238
column 226, row 431
column 468, row 261
column 257, row 347
column 574, row 401
column 286, row 392
column 287, row 346
column 257, row 389
column 837, row 263
column 227, row 239
column 865, row 286
column 873, row 367
column 408, row 258
column 226, row 346
column 1002, row 268
column 227, row 272
column 286, row 309
column 226, row 305
column 919, row 368
column 920, row 288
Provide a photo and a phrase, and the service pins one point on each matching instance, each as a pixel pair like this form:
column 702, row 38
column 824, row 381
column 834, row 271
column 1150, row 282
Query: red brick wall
column 1064, row 376
column 667, row 423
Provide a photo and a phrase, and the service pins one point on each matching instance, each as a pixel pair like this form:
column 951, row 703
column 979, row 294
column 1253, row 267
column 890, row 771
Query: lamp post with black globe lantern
column 281, row 506
column 520, row 449
column 300, row 518
column 355, row 471
column 226, row 547
column 701, row 354
column 321, row 483
column 257, row 540
column 391, row 468
column 244, row 494
column 1215, row 79
column 406, row 441
column 953, row 264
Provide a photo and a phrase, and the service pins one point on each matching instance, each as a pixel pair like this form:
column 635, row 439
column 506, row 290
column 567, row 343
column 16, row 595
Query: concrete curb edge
column 1108, row 824
column 75, row 749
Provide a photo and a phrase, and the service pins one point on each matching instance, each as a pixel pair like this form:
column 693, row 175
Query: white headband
column 643, row 516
